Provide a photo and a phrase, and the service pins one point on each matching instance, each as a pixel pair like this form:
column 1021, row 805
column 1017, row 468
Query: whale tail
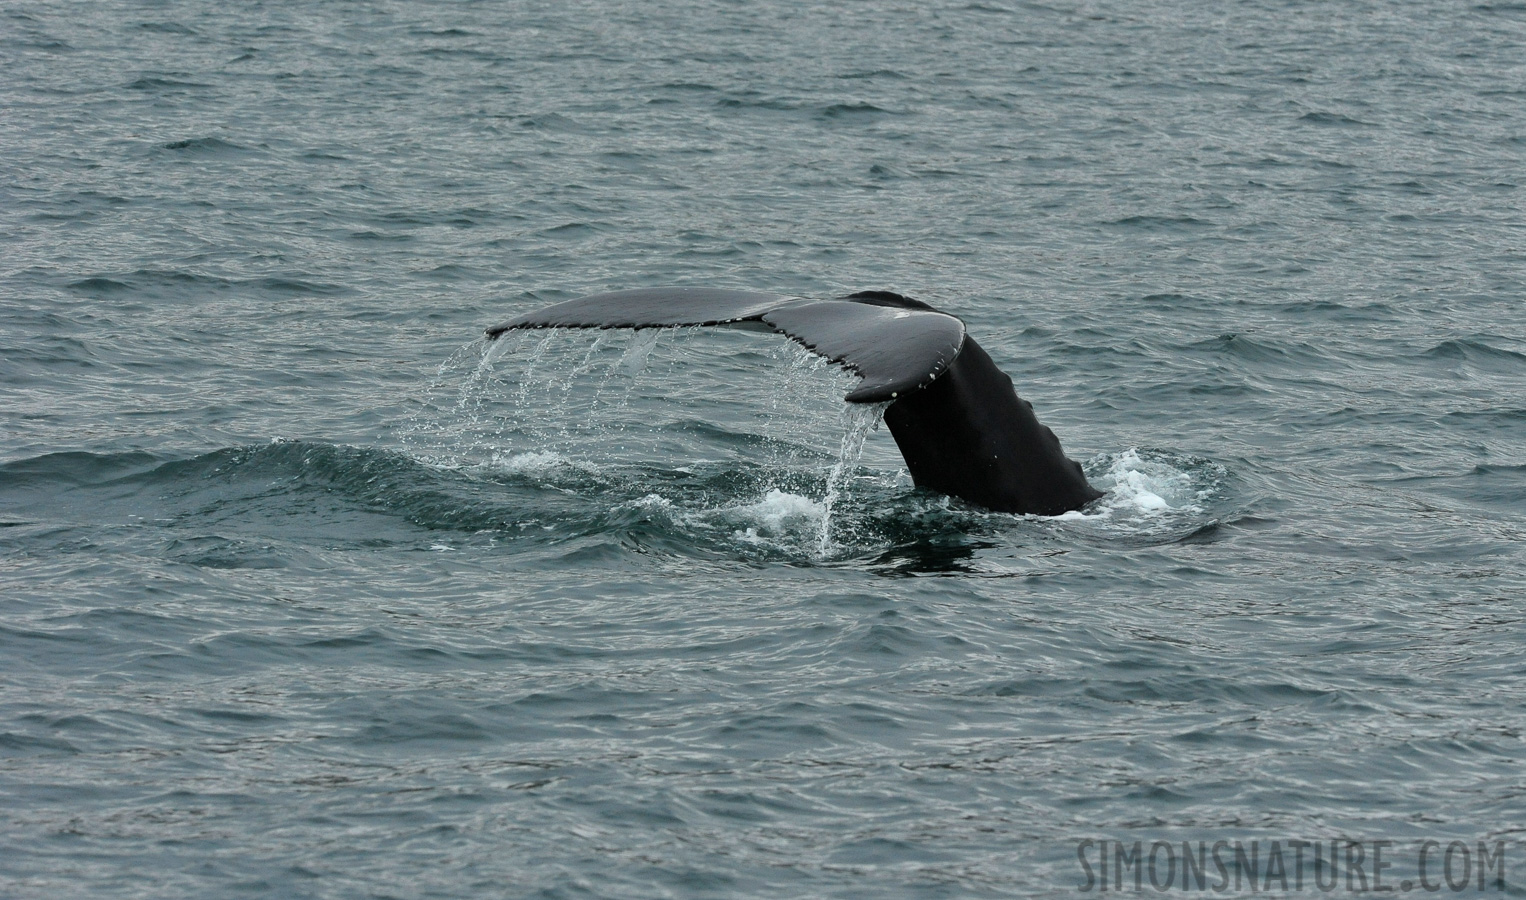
column 956, row 417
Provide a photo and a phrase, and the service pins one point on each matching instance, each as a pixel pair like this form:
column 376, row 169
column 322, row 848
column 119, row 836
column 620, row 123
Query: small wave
column 74, row 467
column 99, row 286
column 839, row 110
column 550, row 122
column 295, row 287
column 166, row 28
column 1253, row 349
column 694, row 86
column 1498, row 486
column 570, row 231
column 285, row 494
column 1159, row 223
column 157, row 281
column 1332, row 119
column 207, row 146
column 218, row 552
column 1477, row 353
column 872, row 74
column 162, row 284
column 753, row 100
column 163, row 84
column 442, row 32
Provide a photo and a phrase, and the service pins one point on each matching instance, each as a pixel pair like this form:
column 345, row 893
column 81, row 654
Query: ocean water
column 308, row 591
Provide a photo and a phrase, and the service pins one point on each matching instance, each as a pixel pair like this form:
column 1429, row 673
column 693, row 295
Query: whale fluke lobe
column 650, row 308
column 956, row 417
column 895, row 343
column 896, row 350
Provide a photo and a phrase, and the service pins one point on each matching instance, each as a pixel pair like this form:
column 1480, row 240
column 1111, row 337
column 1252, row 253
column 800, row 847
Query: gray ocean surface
column 306, row 590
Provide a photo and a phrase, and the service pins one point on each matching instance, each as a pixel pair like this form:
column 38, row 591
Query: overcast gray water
column 306, row 593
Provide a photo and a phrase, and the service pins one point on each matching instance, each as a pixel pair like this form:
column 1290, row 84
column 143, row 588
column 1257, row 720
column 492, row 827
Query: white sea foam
column 779, row 514
column 651, row 502
column 535, row 463
column 1141, row 486
column 540, row 464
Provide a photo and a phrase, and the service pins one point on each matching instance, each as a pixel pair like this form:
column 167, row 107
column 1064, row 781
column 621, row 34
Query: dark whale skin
column 968, row 435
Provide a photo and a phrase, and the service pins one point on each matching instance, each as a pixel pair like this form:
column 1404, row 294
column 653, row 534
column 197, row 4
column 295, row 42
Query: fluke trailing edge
column 960, row 425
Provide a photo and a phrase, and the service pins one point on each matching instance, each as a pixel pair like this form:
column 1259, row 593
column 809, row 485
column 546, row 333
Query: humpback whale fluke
column 956, row 417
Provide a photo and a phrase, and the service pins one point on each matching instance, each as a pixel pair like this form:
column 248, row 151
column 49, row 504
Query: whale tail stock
column 956, row 417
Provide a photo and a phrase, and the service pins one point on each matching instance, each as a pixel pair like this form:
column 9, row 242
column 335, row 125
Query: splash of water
column 779, row 512
column 1148, row 489
column 639, row 353
column 587, row 363
column 421, row 422
column 528, row 378
column 562, row 399
column 474, row 388
column 632, row 364
column 859, row 419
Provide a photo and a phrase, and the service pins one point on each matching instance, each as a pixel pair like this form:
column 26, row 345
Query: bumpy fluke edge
column 896, row 344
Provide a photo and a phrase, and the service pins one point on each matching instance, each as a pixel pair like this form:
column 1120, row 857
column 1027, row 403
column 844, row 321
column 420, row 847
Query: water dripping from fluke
column 626, row 419
column 859, row 420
